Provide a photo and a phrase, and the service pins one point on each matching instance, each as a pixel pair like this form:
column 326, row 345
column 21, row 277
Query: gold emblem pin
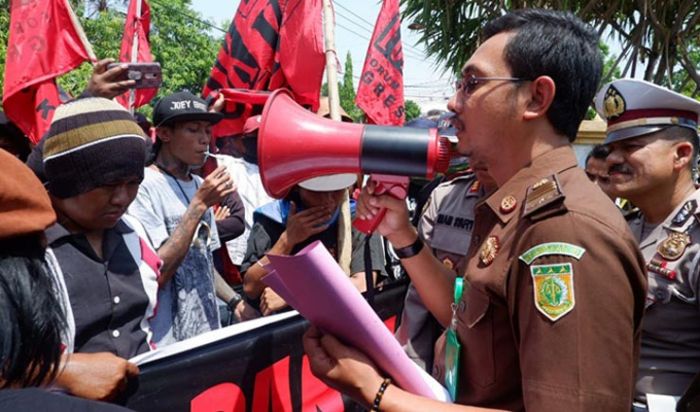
column 673, row 246
column 489, row 250
column 614, row 104
column 508, row 204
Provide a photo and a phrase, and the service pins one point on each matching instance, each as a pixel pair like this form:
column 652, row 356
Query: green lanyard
column 453, row 347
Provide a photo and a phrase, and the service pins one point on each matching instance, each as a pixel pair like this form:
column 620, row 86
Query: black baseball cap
column 183, row 106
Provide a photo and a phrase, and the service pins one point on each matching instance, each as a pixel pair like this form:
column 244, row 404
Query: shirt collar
column 57, row 231
column 544, row 165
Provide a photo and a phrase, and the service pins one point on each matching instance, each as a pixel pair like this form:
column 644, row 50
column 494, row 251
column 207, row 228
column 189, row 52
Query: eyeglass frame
column 472, row 81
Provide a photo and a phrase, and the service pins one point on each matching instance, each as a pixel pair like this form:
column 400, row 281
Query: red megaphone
column 295, row 145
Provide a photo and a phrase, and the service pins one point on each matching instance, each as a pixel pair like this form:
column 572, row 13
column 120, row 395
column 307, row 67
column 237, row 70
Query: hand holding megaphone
column 295, row 145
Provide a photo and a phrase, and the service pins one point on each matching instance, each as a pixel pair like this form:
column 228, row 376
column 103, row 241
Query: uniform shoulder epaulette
column 460, row 176
column 542, row 196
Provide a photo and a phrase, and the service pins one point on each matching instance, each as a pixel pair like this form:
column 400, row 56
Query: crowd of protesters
column 132, row 235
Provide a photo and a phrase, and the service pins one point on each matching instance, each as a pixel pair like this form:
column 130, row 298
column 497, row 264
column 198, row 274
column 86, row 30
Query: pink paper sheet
column 313, row 284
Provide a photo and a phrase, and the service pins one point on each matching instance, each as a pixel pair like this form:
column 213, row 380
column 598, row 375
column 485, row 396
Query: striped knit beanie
column 92, row 142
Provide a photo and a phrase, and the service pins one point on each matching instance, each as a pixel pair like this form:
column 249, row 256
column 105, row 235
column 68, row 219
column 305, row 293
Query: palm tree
column 660, row 40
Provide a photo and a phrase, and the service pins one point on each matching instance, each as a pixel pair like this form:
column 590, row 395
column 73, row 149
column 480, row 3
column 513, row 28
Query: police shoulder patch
column 552, row 248
column 553, row 287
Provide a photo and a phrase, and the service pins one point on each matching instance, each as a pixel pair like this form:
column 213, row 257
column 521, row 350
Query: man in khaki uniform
column 652, row 137
column 446, row 226
column 552, row 316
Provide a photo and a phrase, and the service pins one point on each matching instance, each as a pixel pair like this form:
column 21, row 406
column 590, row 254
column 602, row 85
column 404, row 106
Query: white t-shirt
column 246, row 176
column 187, row 303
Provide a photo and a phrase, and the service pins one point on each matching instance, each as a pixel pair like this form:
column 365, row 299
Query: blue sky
column 423, row 79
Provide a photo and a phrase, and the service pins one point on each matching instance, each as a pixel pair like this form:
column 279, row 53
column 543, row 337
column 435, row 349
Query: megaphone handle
column 396, row 186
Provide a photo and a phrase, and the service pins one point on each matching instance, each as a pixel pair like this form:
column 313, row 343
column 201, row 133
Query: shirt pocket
column 475, row 329
column 450, row 239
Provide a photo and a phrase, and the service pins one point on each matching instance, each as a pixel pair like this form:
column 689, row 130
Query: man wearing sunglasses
column 551, row 315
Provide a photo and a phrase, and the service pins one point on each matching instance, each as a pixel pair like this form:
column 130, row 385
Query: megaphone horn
column 295, row 145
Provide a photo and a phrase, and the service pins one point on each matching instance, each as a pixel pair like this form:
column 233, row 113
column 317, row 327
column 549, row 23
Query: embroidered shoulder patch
column 554, row 289
column 552, row 248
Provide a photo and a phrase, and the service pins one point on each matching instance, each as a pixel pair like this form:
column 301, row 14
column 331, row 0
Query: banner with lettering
column 263, row 369
column 270, row 44
column 43, row 44
column 380, row 93
column 137, row 48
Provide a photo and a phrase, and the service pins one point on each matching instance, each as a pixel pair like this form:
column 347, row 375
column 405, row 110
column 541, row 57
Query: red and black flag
column 270, row 44
column 380, row 93
column 44, row 43
column 136, row 48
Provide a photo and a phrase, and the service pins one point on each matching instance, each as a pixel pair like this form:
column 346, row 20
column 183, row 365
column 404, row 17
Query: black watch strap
column 410, row 250
column 234, row 301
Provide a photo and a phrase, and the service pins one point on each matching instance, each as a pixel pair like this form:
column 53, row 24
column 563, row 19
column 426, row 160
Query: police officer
column 653, row 142
column 445, row 226
column 551, row 318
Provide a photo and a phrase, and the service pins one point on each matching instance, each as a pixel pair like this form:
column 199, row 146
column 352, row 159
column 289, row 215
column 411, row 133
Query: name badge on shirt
column 453, row 347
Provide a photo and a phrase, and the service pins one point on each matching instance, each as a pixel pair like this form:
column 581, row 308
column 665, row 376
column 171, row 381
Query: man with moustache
column 551, row 318
column 653, row 142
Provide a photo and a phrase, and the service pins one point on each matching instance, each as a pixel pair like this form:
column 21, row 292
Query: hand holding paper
column 313, row 283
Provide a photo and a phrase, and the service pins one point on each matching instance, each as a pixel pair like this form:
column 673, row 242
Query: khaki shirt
column 446, row 226
column 551, row 320
column 670, row 351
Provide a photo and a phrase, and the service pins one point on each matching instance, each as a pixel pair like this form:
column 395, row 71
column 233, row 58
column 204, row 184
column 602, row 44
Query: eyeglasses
column 467, row 85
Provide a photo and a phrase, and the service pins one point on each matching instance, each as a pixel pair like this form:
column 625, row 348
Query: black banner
column 264, row 369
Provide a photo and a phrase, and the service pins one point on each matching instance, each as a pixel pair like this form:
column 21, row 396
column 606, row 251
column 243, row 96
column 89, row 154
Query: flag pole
column 134, row 53
column 331, row 60
column 81, row 33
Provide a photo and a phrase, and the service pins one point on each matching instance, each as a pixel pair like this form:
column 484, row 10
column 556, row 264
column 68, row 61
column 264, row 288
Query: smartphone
column 146, row 75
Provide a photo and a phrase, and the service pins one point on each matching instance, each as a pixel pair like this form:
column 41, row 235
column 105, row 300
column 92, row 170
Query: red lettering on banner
column 225, row 397
column 390, row 323
column 316, row 395
column 271, row 390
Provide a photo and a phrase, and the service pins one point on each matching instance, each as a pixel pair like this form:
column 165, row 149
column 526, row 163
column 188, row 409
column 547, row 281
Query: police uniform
column 446, row 225
column 670, row 347
column 551, row 318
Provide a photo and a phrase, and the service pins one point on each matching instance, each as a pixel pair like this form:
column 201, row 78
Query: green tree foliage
column 181, row 41
column 659, row 39
column 412, row 110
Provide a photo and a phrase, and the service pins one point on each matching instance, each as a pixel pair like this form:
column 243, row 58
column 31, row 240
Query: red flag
column 380, row 93
column 270, row 44
column 43, row 44
column 137, row 28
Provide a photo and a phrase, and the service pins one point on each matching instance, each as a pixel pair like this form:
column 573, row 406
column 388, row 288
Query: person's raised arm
column 432, row 280
column 300, row 226
column 173, row 251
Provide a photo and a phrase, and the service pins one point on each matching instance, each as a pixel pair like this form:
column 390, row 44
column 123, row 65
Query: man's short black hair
column 559, row 45
column 599, row 151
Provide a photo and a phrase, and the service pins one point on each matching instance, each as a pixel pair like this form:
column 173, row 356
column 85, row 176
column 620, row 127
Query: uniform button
column 115, row 333
column 116, row 300
column 660, row 294
column 476, row 239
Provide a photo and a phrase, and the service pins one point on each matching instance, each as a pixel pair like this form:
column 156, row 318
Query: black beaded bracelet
column 380, row 394
column 410, row 250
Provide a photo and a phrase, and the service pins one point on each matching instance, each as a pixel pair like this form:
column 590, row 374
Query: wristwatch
column 234, row 301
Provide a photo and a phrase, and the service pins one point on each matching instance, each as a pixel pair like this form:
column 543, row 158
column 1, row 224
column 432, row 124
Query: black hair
column 599, row 151
column 31, row 315
column 559, row 45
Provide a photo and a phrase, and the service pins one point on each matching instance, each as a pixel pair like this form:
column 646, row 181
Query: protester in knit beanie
column 91, row 142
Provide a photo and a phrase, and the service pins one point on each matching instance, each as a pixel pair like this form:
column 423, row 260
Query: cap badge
column 673, row 246
column 489, row 250
column 614, row 105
